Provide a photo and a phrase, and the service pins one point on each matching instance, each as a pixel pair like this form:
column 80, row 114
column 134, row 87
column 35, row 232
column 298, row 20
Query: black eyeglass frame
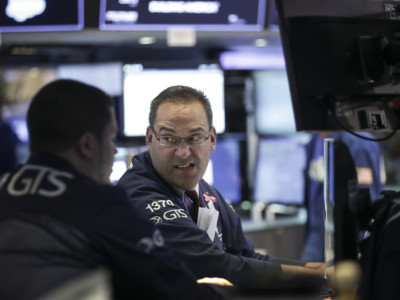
column 179, row 139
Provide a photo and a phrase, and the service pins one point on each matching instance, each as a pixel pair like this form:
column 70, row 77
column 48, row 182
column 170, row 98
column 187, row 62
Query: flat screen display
column 341, row 58
column 41, row 15
column 141, row 86
column 223, row 171
column 274, row 110
column 279, row 176
column 221, row 15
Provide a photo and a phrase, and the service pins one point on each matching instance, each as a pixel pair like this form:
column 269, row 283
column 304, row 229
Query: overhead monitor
column 41, row 15
column 342, row 62
column 279, row 172
column 221, row 15
column 141, row 85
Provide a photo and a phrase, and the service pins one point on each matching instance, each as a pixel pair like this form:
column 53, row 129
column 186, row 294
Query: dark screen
column 342, row 64
column 49, row 15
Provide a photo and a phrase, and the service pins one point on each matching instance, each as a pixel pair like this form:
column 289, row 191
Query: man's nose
column 183, row 149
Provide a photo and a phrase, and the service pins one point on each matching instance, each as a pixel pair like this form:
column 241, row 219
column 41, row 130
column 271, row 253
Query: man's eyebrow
column 168, row 130
column 197, row 130
column 172, row 131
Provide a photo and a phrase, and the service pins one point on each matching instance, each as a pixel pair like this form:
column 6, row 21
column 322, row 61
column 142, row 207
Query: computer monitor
column 41, row 15
column 273, row 104
column 224, row 170
column 142, row 84
column 145, row 15
column 342, row 62
column 341, row 197
column 279, row 171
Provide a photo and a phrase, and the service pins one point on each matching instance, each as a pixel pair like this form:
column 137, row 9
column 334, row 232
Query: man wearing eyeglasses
column 180, row 138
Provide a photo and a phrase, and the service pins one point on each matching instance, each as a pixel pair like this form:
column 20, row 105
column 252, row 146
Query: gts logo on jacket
column 33, row 179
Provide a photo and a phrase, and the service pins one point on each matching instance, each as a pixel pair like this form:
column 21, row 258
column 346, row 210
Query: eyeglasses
column 172, row 141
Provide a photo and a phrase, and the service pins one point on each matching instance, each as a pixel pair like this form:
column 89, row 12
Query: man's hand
column 215, row 280
column 310, row 269
column 320, row 267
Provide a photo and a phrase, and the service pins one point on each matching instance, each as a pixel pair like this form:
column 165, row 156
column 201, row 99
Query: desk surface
column 282, row 221
column 234, row 294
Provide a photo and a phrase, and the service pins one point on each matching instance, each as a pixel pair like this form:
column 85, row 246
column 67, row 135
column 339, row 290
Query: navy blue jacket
column 118, row 237
column 229, row 256
column 380, row 259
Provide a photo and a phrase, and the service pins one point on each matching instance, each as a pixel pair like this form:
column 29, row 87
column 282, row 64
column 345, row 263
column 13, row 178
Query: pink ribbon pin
column 209, row 198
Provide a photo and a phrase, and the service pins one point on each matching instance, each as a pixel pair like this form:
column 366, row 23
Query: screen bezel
column 174, row 21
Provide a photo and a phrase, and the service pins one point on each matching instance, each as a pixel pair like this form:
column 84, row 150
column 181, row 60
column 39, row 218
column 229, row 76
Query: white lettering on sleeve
column 29, row 178
column 61, row 186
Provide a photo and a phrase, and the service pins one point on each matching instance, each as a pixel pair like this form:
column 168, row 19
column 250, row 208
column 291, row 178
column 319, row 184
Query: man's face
column 107, row 150
column 182, row 166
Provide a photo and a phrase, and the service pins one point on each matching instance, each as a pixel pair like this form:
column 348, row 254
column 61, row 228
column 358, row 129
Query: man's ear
column 213, row 137
column 87, row 145
column 149, row 135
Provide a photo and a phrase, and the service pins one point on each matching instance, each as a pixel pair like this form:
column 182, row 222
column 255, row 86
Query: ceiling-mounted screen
column 41, row 15
column 141, row 85
column 221, row 15
column 342, row 62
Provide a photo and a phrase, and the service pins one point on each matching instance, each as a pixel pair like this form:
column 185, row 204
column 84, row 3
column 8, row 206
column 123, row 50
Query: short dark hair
column 62, row 111
column 180, row 94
